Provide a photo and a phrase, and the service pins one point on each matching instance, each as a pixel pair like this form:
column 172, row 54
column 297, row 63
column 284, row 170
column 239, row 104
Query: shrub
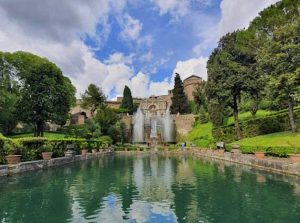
column 276, row 122
column 278, row 151
column 31, row 147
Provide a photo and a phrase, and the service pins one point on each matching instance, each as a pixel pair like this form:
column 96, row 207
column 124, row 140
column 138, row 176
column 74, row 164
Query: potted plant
column 13, row 151
column 259, row 153
column 46, row 150
column 83, row 147
column 94, row 148
column 294, row 157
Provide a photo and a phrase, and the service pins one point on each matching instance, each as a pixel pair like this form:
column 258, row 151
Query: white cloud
column 119, row 57
column 32, row 26
column 131, row 27
column 237, row 14
column 194, row 66
column 147, row 57
column 177, row 8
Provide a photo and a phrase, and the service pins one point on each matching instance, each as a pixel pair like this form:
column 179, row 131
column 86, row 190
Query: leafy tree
column 92, row 128
column 216, row 112
column 231, row 71
column 117, row 132
column 106, row 117
column 92, row 98
column 45, row 94
column 199, row 97
column 9, row 93
column 127, row 101
column 179, row 99
column 280, row 57
column 202, row 116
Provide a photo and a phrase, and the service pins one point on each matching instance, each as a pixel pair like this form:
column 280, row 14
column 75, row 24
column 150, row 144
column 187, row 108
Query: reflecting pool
column 150, row 188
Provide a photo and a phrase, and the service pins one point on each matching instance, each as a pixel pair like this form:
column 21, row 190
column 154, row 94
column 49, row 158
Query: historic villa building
column 153, row 104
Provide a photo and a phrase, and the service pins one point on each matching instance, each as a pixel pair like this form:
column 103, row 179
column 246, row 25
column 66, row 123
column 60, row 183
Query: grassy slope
column 201, row 133
column 46, row 134
column 274, row 139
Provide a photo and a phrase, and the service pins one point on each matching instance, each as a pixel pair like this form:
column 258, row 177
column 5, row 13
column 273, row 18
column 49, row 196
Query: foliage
column 287, row 139
column 92, row 129
column 31, row 134
column 93, row 98
column 276, row 122
column 277, row 151
column 231, row 71
column 30, row 148
column 127, row 101
column 215, row 111
column 44, row 93
column 201, row 135
column 179, row 99
column 202, row 116
column 199, row 97
column 279, row 57
column 9, row 93
column 46, row 147
column 117, row 132
column 105, row 118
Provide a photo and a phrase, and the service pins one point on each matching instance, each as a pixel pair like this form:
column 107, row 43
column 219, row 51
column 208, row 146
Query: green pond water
column 150, row 188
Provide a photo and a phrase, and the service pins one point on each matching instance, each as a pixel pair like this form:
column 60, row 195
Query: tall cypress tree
column 179, row 99
column 127, row 101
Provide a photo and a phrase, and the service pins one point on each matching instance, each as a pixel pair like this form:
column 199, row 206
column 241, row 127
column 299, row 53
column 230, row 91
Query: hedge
column 278, row 151
column 30, row 147
column 276, row 122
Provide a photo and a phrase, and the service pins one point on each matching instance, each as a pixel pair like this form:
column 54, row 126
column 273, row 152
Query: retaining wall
column 7, row 170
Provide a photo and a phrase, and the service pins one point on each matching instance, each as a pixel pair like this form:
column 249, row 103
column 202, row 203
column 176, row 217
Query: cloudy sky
column 140, row 43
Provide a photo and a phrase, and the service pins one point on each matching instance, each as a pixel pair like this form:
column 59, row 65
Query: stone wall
column 280, row 165
column 8, row 170
column 184, row 124
column 127, row 120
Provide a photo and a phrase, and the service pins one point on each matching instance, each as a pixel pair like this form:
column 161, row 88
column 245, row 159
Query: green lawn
column 46, row 134
column 275, row 139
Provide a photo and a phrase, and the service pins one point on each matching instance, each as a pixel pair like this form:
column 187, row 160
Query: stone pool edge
column 271, row 164
column 9, row 170
column 278, row 165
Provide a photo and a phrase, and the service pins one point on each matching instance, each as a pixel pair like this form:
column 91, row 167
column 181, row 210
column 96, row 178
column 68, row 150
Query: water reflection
column 150, row 189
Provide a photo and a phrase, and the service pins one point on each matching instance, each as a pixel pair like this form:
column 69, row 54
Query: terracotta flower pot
column 84, row 152
column 47, row 155
column 295, row 158
column 13, row 159
column 221, row 151
column 94, row 151
column 260, row 155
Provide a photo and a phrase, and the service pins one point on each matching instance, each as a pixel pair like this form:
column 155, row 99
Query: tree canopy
column 45, row 95
column 92, row 98
column 179, row 99
column 127, row 101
